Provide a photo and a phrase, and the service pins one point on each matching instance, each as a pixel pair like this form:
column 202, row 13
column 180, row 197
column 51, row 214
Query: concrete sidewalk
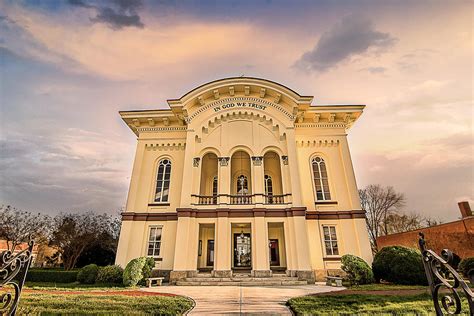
column 236, row 300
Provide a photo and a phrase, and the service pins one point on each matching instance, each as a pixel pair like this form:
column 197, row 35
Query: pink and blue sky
column 67, row 67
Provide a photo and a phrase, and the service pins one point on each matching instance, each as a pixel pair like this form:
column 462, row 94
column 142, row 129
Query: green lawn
column 38, row 303
column 386, row 287
column 367, row 304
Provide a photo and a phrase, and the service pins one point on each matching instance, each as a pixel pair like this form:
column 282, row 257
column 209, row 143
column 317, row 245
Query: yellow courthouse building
column 243, row 175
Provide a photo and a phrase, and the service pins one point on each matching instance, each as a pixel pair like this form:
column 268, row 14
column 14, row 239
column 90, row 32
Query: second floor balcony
column 241, row 179
column 242, row 199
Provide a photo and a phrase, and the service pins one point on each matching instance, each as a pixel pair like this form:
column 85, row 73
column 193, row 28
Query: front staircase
column 243, row 279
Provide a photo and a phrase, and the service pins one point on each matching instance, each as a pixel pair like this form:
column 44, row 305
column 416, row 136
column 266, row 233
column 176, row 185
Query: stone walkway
column 245, row 300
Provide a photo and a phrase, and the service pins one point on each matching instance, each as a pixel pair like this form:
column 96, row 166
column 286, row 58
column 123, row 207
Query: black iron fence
column 13, row 269
column 444, row 281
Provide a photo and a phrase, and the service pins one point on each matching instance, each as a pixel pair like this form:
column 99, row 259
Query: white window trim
column 331, row 189
column 323, row 241
column 155, row 181
column 148, row 241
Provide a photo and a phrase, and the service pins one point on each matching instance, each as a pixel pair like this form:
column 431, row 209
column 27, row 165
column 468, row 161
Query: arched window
column 242, row 185
column 214, row 186
column 214, row 190
column 268, row 189
column 268, row 185
column 163, row 181
column 321, row 183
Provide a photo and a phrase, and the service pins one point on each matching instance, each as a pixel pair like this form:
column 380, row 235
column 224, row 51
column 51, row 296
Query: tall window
column 268, row 185
column 163, row 181
column 268, row 189
column 321, row 183
column 330, row 240
column 242, row 185
column 214, row 190
column 214, row 186
column 154, row 241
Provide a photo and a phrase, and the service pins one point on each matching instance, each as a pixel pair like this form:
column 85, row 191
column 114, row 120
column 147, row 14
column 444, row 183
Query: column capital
column 257, row 160
column 223, row 161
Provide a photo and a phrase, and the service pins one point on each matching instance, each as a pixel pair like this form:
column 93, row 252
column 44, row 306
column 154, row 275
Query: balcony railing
column 275, row 199
column 207, row 199
column 242, row 199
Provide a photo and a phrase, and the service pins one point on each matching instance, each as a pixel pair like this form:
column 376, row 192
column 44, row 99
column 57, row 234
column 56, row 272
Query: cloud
column 118, row 14
column 375, row 70
column 353, row 35
column 72, row 170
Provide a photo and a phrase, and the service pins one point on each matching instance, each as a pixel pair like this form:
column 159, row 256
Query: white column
column 224, row 178
column 135, row 180
column 349, row 173
column 258, row 181
column 189, row 172
column 222, row 257
column 293, row 166
column 261, row 260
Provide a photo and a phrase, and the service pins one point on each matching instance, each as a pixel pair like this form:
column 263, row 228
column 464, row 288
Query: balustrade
column 239, row 199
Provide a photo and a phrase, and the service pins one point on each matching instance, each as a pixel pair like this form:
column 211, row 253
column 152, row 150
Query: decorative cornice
column 132, row 216
column 236, row 213
column 166, row 146
column 321, row 125
column 162, row 129
column 318, row 143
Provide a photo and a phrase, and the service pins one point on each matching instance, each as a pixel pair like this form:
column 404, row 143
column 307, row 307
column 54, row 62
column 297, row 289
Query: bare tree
column 379, row 202
column 399, row 223
column 74, row 233
column 429, row 222
column 17, row 226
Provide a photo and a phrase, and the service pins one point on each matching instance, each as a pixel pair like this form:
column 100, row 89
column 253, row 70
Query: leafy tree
column 75, row 233
column 17, row 226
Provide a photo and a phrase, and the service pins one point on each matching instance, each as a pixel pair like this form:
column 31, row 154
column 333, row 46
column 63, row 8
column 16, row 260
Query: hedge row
column 50, row 275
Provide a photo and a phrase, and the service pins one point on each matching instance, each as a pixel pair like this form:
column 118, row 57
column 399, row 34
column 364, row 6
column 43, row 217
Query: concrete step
column 239, row 279
column 267, row 282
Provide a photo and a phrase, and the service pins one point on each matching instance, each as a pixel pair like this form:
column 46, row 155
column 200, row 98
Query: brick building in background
column 457, row 236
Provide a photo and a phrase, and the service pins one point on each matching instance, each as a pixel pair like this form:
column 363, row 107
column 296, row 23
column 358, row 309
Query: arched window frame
column 268, row 184
column 215, row 186
column 245, row 186
column 319, row 169
column 163, row 181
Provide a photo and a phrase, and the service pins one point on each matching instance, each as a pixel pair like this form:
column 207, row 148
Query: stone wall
column 456, row 236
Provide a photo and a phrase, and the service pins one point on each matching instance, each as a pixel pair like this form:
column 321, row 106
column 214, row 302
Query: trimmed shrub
column 466, row 265
column 51, row 275
column 110, row 274
column 88, row 274
column 149, row 265
column 357, row 270
column 399, row 265
column 137, row 270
